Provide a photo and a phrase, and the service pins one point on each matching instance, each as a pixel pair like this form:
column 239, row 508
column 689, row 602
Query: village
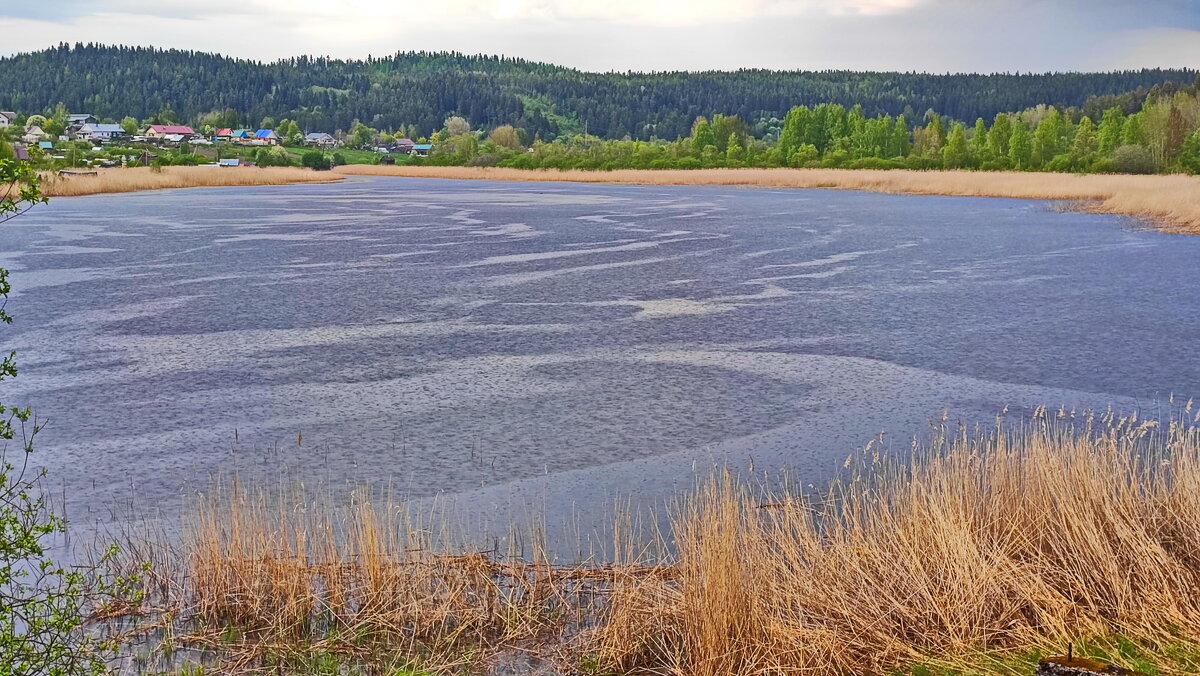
column 84, row 140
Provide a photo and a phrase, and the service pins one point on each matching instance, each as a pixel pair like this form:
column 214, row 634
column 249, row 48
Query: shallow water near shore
column 519, row 348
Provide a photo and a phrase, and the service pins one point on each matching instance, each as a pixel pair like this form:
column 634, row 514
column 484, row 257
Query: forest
column 417, row 91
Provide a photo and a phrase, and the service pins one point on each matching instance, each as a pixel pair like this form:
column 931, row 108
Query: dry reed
column 1172, row 203
column 146, row 178
column 1070, row 527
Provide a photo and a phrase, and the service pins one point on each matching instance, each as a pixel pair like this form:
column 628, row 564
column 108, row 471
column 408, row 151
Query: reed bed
column 1068, row 527
column 1172, row 203
column 135, row 179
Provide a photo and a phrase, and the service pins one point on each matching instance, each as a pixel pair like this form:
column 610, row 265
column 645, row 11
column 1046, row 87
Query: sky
column 602, row 35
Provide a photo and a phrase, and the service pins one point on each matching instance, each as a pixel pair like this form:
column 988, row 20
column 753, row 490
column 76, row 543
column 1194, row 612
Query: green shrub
column 315, row 159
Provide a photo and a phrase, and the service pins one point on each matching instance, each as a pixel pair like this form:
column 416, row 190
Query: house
column 33, row 134
column 268, row 136
column 320, row 140
column 422, row 149
column 404, row 146
column 223, row 134
column 7, row 118
column 76, row 120
column 100, row 132
column 230, row 162
column 241, row 136
column 159, row 131
column 46, row 146
column 20, row 153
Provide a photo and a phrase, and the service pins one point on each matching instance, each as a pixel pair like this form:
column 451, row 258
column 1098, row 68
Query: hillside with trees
column 415, row 92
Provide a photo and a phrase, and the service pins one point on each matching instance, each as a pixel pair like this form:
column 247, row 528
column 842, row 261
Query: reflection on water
column 525, row 344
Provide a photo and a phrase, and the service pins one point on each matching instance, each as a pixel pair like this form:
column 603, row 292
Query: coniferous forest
column 496, row 111
column 418, row 91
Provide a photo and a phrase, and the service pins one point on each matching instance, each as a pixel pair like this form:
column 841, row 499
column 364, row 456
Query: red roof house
column 168, row 129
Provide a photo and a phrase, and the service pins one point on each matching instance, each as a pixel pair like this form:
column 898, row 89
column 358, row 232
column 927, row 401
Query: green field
column 352, row 156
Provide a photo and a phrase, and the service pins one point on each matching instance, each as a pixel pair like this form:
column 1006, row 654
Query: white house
column 7, row 118
column 100, row 132
column 320, row 140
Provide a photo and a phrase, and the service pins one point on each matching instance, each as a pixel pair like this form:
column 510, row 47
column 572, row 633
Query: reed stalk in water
column 1069, row 527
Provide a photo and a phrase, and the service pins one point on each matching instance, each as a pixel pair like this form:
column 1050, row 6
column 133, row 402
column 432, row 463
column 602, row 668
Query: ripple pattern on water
column 508, row 343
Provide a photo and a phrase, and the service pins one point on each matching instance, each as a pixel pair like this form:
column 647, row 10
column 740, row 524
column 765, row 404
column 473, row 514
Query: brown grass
column 1071, row 527
column 145, row 178
column 1171, row 202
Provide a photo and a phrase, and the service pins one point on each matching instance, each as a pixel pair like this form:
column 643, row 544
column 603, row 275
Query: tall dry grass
column 134, row 179
column 1069, row 527
column 1171, row 202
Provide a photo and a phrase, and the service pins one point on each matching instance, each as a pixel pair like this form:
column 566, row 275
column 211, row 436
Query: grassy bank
column 1170, row 202
column 147, row 178
column 980, row 554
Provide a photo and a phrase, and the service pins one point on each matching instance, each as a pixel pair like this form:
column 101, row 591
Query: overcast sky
column 926, row 35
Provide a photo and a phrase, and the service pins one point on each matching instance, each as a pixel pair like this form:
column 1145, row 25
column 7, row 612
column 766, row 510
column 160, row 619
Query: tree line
column 1161, row 135
column 419, row 90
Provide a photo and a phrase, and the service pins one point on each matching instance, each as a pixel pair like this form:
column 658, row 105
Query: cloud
column 628, row 12
column 930, row 35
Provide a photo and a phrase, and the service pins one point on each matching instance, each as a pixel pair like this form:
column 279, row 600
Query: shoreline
column 1170, row 202
column 138, row 179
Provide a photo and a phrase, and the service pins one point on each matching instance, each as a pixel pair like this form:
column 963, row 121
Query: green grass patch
column 1119, row 651
column 351, row 156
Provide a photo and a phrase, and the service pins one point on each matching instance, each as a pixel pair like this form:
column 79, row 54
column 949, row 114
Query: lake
column 523, row 346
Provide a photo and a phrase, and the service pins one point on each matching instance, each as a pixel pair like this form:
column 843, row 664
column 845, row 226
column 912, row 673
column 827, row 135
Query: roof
column 423, row 146
column 405, row 142
column 224, row 132
column 171, row 129
column 241, row 133
column 104, row 128
column 8, row 113
column 317, row 135
column 19, row 151
column 265, row 133
column 78, row 117
column 230, row 162
column 46, row 145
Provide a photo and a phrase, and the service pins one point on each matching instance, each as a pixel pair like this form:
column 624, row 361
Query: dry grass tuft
column 145, row 178
column 1171, row 202
column 1071, row 527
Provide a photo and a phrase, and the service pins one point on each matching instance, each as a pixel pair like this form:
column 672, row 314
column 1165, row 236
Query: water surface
column 525, row 344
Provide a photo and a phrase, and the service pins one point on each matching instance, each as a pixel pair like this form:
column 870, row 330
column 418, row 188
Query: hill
column 418, row 90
